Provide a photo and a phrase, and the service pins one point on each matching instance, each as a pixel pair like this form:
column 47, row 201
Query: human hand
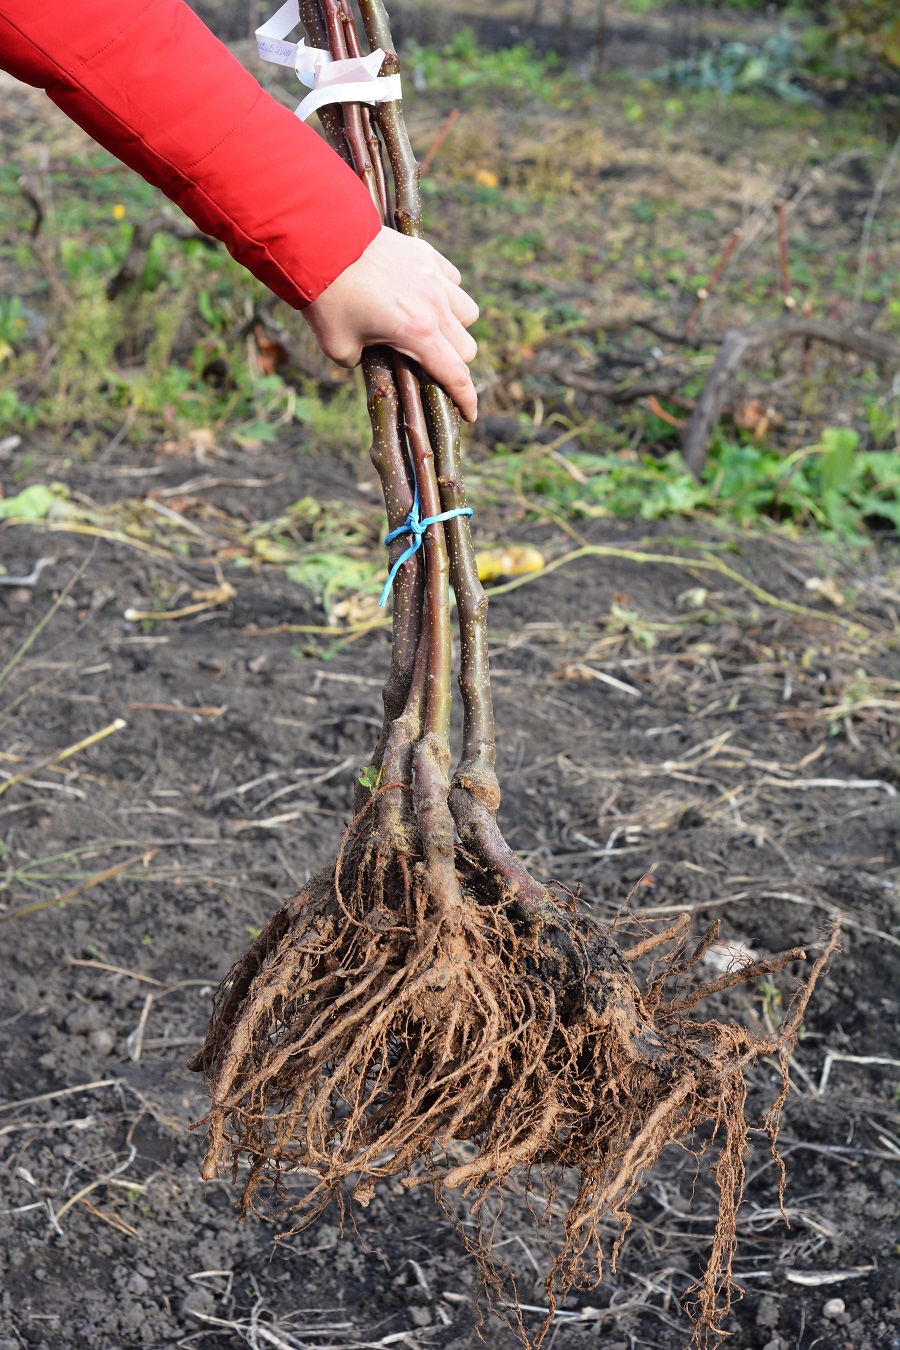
column 405, row 294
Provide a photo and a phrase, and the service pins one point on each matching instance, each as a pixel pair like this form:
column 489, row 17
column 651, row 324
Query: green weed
column 771, row 998
column 739, row 6
column 35, row 502
column 771, row 66
column 327, row 547
column 15, row 413
column 463, row 66
column 340, row 422
column 12, row 325
column 871, row 27
column 84, row 370
column 832, row 485
column 329, row 575
column 323, row 524
column 39, row 873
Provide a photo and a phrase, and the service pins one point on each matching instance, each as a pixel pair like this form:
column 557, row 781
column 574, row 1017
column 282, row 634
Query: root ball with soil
column 425, row 1009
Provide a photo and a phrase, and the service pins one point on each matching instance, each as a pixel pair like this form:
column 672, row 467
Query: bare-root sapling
column 424, row 1009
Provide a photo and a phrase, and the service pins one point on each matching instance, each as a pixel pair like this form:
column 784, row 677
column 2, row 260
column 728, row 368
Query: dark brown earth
column 232, row 782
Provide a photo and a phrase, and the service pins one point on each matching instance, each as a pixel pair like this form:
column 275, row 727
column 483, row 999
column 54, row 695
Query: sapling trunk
column 424, row 989
column 391, row 463
column 475, row 796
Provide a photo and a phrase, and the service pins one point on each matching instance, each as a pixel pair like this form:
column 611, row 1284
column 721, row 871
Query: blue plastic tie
column 416, row 527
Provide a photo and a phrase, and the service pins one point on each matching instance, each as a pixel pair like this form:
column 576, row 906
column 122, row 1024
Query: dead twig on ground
column 57, row 758
column 33, row 576
column 740, row 343
column 837, row 1056
column 435, row 146
column 42, row 622
column 60, row 1092
column 787, row 298
column 706, row 291
column 705, row 564
column 96, row 880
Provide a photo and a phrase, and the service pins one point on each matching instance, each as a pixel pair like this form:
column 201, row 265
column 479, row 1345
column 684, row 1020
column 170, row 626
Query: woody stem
column 389, row 450
column 431, row 674
column 331, row 116
column 390, row 459
column 476, row 792
column 431, row 669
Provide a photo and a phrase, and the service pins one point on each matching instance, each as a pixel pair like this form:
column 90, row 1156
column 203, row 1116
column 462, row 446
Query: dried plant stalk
column 424, row 989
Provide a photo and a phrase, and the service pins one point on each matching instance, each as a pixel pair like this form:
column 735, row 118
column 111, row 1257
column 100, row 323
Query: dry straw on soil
column 424, row 989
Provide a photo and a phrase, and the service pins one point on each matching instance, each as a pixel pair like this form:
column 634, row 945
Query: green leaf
column 836, row 465
column 305, row 409
column 883, row 467
column 371, row 776
column 256, row 431
column 325, row 574
column 879, row 508
column 32, row 503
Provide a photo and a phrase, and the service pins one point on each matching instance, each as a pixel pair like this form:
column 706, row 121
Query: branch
column 739, row 343
column 394, row 421
column 331, row 117
column 616, row 390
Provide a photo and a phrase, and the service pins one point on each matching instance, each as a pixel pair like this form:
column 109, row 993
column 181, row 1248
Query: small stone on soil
column 102, row 1042
column 834, row 1307
column 84, row 1019
column 198, row 1301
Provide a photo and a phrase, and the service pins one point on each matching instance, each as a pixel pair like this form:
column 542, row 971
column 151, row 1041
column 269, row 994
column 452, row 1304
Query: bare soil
column 689, row 784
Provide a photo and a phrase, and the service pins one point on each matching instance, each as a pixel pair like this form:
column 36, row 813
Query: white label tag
column 386, row 89
column 270, row 36
column 356, row 69
column 355, row 80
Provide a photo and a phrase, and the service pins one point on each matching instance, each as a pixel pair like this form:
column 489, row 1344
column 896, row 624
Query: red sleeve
column 149, row 81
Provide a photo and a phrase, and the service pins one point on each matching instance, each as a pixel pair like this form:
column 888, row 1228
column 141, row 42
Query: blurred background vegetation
column 622, row 185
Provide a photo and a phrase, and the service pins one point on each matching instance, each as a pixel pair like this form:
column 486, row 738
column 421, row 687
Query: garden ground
column 669, row 740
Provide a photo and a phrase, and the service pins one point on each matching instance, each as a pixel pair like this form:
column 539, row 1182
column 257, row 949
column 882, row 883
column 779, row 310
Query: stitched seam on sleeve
column 212, row 150
column 113, row 40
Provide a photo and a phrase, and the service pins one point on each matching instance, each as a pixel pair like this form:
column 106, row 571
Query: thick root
column 375, row 1020
column 371, row 1023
